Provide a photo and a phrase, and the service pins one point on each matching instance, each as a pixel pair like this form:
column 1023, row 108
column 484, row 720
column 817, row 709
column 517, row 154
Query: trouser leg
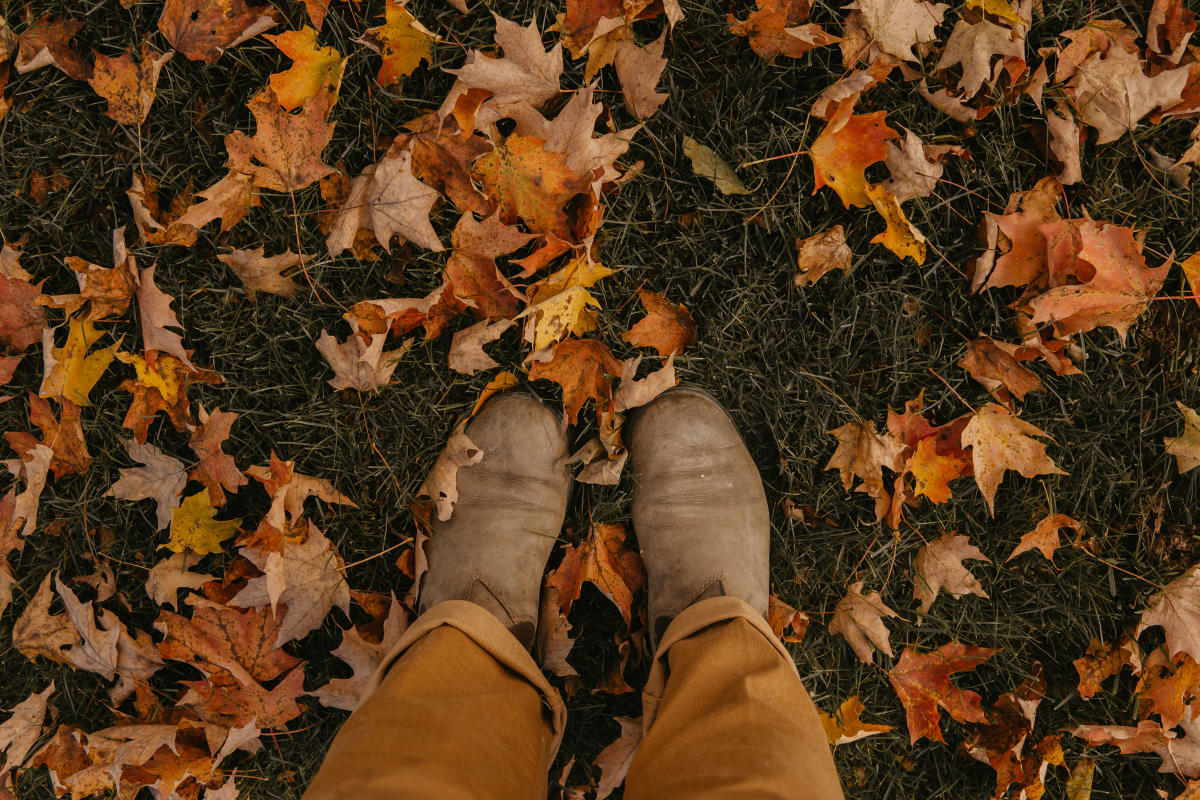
column 726, row 716
column 457, row 711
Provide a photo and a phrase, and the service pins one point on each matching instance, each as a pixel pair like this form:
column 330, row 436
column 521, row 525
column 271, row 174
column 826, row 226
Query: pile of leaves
column 498, row 195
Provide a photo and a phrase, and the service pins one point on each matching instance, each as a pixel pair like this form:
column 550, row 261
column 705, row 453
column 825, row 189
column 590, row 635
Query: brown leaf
column 363, row 658
column 553, row 636
column 360, row 365
column 64, row 437
column 1065, row 140
column 1169, row 28
column 471, row 270
column 466, row 348
column 285, row 152
column 289, row 489
column 1111, row 93
column 1177, row 609
column 388, row 199
column 526, row 72
column 605, row 560
column 999, row 441
column 922, row 682
column 171, row 574
column 441, row 484
column 667, row 327
column 161, row 386
column 32, row 467
column 21, row 319
column 216, row 470
column 128, row 87
column 773, row 29
column 21, row 730
column 915, row 166
column 974, row 45
column 1168, row 688
column 1102, row 661
column 821, row 253
column 105, row 292
column 1186, row 446
column 156, row 316
column 938, row 567
column 204, row 29
column 858, row 618
column 1044, row 536
column 258, row 273
column 997, row 366
column 862, row 453
column 584, row 368
column 633, row 393
column 615, row 759
column 442, row 153
column 229, row 200
column 47, row 43
column 37, row 632
column 895, row 26
column 531, row 183
column 639, row 69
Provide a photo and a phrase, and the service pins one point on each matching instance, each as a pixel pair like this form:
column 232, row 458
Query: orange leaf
column 774, row 29
column 667, row 327
column 128, row 87
column 604, row 560
column 847, row 145
column 934, row 471
column 216, row 470
column 1100, row 662
column 585, row 369
column 530, row 183
column 1044, row 536
column 922, row 682
column 203, row 29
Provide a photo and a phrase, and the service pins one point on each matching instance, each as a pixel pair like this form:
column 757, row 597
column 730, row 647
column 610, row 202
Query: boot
column 699, row 510
column 511, row 504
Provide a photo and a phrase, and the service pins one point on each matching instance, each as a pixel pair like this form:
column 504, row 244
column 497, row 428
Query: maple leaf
column 363, row 657
column 173, row 573
column 1186, row 446
column 71, row 371
column 707, row 164
column 1178, row 755
column 156, row 225
column 1169, row 28
column 471, row 270
column 194, row 527
column 821, row 253
column 604, row 560
column 846, row 146
column 402, row 41
column 259, row 273
column 847, row 725
column 21, row 320
column 896, row 25
column 858, row 618
column 781, row 617
column 584, row 368
column 229, row 200
column 156, row 316
column 932, row 471
column 64, row 437
column 204, row 29
column 289, row 489
column 105, row 292
column 1111, row 93
column 974, row 45
column 863, row 453
column 999, row 441
column 1024, row 262
column 526, row 73
column 997, row 366
column 639, row 68
column 160, row 386
column 360, row 365
column 442, row 152
column 47, row 43
column 553, row 636
column 21, row 730
column 530, row 183
column 216, row 470
column 285, row 152
column 466, row 348
column 313, row 68
column 39, row 633
column 1065, row 139
column 387, row 198
column 774, row 29
column 1168, row 688
column 1044, row 536
column 561, row 305
column 667, row 327
column 1102, row 661
column 32, row 467
column 900, row 236
column 128, row 87
column 632, row 393
column 916, row 167
column 938, row 567
column 922, row 682
column 1001, row 742
column 1117, row 294
column 1177, row 609
column 306, row 578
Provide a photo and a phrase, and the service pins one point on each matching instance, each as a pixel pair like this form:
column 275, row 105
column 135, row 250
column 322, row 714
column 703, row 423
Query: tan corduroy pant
column 460, row 711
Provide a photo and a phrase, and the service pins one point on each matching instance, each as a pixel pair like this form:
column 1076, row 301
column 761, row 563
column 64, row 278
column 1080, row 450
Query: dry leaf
column 194, row 527
column 1044, row 536
column 442, row 482
column 46, row 43
column 526, row 73
column 615, row 759
column 358, row 365
column 858, row 618
column 259, row 273
column 313, row 68
column 171, row 574
column 466, row 348
column 402, row 41
column 604, row 560
column 161, row 478
column 922, row 682
column 639, row 69
column 821, row 253
column 862, row 453
column 846, row 146
column 204, row 29
column 848, row 726
column 938, row 567
column 707, row 164
column 1186, row 446
column 1177, row 609
column 21, row 730
column 632, row 393
column 999, row 441
column 128, row 87
column 584, row 368
column 214, row 468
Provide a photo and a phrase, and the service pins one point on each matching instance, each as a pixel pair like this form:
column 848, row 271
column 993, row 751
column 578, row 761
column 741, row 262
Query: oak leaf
column 821, row 253
column 858, row 618
column 922, row 682
column 1177, row 609
column 1186, row 446
column 938, row 567
column 773, row 29
column 128, row 87
column 47, row 42
column 846, row 146
column 604, row 560
column 530, row 183
column 584, row 368
column 863, row 453
column 526, row 73
column 32, row 467
column 466, row 347
column 216, row 470
column 285, row 152
column 71, row 371
column 667, row 327
column 1044, row 536
column 402, row 41
column 846, row 725
column 999, row 441
column 63, row 435
column 312, row 69
column 204, row 29
column 260, row 273
column 900, row 236
column 173, row 573
column 194, row 527
column 364, row 366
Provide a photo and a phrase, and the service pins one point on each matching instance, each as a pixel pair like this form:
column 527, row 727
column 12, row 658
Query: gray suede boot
column 699, row 510
column 511, row 504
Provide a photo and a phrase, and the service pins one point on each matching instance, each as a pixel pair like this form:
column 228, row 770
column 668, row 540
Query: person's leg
column 724, row 712
column 459, row 708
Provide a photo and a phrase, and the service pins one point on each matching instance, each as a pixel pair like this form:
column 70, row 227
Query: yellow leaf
column 997, row 8
column 313, row 67
column 402, row 41
column 1191, row 271
column 561, row 305
column 900, row 237
column 502, row 382
column 165, row 381
column 193, row 527
column 71, row 371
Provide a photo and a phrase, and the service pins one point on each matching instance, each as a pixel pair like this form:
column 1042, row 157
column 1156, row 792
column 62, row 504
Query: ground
column 789, row 363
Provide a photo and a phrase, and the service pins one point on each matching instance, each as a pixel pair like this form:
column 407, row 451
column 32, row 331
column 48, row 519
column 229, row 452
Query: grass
column 789, row 363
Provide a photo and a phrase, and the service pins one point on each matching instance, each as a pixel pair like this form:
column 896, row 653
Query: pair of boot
column 699, row 511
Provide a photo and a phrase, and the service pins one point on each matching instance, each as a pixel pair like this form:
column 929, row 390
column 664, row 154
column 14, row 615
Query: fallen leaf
column 847, row 725
column 312, row 69
column 974, row 46
column 204, row 29
column 259, row 273
column 1024, row 261
column 171, row 574
column 997, row 366
column 216, row 470
column 553, row 636
column 782, row 617
column 229, row 200
column 1169, row 28
column 632, row 393
column 1168, row 689
column 1079, row 786
column 999, row 441
column 922, row 682
column 466, row 348
column 900, row 236
column 284, row 154
column 1000, row 743
column 1065, row 139
column 896, row 26
column 560, row 305
column 530, row 184
column 402, row 41
column 194, row 527
column 156, row 317
column 1100, row 662
column 33, row 466
column 707, row 164
column 773, row 29
column 821, row 253
column 1044, row 536
column 63, row 436
column 858, row 618
column 1186, row 446
column 161, row 386
column 363, row 366
column 1177, row 609
column 526, row 72
column 47, row 43
column 1178, row 755
column 584, row 368
column 846, row 146
column 915, row 166
column 932, row 471
column 863, row 453
column 21, row 730
column 667, row 327
column 639, row 69
column 604, row 560
column 289, row 489
column 105, row 292
column 615, row 759
column 471, row 271
column 441, row 484
column 938, row 567
column 128, row 87
column 21, row 319
column 1111, row 93
column 363, row 657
